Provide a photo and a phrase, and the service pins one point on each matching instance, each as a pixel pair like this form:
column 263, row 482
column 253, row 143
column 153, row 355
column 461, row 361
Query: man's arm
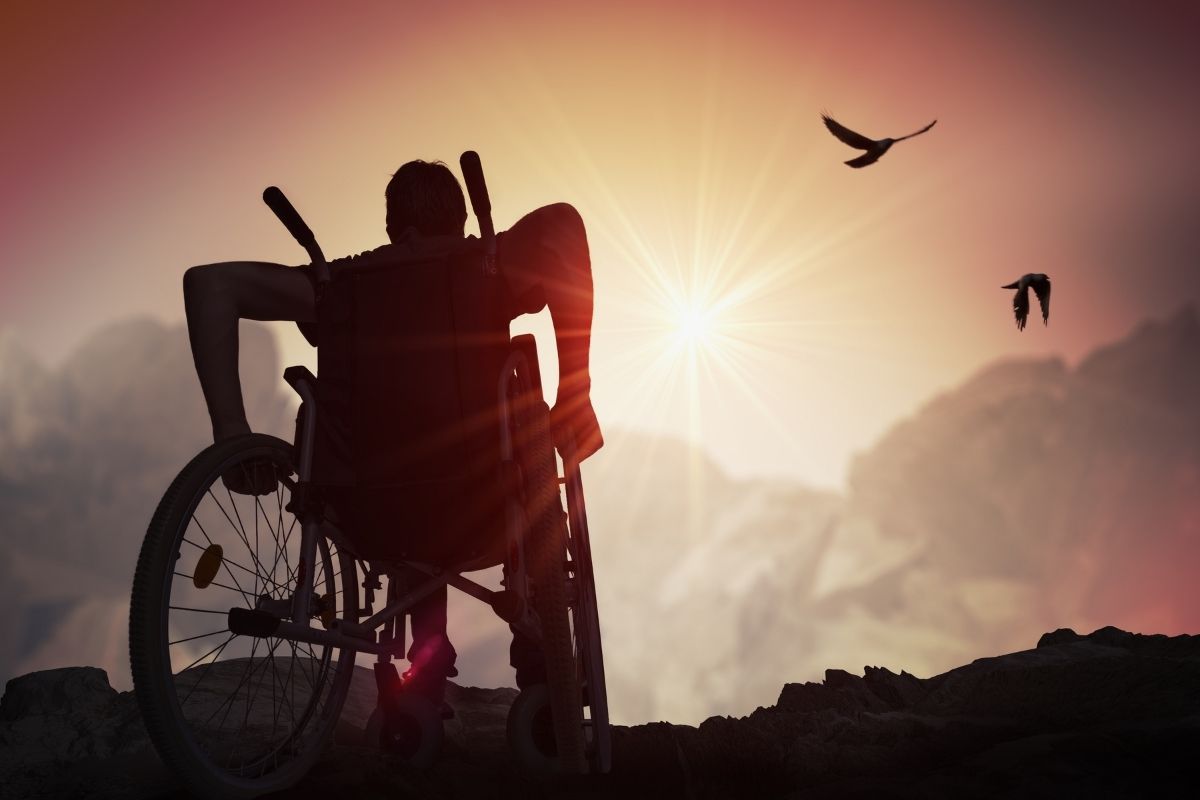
column 545, row 259
column 215, row 297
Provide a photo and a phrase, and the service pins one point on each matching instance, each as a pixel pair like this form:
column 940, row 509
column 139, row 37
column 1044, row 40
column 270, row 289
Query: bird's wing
column 846, row 135
column 1021, row 306
column 918, row 133
column 865, row 159
column 1042, row 289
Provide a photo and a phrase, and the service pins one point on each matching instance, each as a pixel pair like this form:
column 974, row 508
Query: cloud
column 86, row 451
column 1033, row 496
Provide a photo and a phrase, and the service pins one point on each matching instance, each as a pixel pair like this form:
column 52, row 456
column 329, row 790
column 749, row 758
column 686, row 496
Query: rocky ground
column 1108, row 714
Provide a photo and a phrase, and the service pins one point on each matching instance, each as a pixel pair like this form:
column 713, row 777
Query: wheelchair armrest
column 304, row 383
column 295, row 375
column 525, row 343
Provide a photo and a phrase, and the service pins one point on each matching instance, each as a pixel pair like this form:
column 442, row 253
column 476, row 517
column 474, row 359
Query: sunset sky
column 138, row 138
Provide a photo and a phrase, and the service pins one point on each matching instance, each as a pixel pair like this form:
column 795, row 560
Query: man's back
column 412, row 346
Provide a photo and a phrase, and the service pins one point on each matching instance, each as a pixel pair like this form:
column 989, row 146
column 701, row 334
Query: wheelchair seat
column 407, row 448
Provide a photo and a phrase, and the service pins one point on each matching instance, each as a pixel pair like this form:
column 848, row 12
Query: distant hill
column 1032, row 496
column 1069, row 496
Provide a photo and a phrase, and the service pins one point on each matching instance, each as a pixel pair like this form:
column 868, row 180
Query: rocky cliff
column 1111, row 714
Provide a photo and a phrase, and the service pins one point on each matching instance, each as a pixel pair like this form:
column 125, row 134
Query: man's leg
column 431, row 655
column 546, row 261
column 215, row 297
column 524, row 654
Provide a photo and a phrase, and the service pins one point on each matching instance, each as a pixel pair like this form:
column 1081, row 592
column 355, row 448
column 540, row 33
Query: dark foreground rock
column 1108, row 714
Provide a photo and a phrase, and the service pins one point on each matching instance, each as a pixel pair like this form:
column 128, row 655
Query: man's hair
column 425, row 196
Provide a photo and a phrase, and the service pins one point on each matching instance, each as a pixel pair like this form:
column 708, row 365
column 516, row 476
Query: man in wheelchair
column 542, row 260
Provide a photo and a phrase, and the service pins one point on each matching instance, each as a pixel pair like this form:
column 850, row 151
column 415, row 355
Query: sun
column 695, row 324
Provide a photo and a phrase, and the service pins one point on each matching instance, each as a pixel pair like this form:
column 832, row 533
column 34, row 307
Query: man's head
column 426, row 197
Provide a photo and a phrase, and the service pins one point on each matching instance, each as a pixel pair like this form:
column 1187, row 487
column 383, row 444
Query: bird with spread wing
column 1041, row 287
column 875, row 148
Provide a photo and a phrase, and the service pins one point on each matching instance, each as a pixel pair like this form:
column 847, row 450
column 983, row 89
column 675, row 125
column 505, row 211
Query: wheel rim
column 249, row 709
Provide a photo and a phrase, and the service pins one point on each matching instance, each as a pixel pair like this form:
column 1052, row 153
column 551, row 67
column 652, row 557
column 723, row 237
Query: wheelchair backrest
column 408, row 374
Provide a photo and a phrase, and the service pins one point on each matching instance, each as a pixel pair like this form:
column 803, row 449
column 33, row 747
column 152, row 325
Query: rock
column 78, row 690
column 1107, row 714
column 901, row 691
column 65, row 715
column 840, row 691
column 1060, row 636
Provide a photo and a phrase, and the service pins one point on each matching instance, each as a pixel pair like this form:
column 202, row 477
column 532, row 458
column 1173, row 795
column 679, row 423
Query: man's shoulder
column 413, row 247
column 378, row 255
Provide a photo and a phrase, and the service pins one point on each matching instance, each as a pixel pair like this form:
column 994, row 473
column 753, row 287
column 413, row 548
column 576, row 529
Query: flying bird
column 1041, row 287
column 874, row 147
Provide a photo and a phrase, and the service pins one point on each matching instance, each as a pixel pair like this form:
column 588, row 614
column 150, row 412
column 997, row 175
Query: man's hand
column 575, row 415
column 255, row 477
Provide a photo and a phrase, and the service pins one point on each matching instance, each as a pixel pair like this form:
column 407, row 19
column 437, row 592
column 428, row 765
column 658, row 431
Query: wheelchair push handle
column 481, row 204
column 291, row 219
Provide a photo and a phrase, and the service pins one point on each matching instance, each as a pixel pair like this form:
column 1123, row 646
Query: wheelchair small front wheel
column 407, row 726
column 530, row 732
column 235, row 715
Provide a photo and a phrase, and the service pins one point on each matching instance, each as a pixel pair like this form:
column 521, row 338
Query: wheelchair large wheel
column 546, row 551
column 234, row 716
column 585, row 622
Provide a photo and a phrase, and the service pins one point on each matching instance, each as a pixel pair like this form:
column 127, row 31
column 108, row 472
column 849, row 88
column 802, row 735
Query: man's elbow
column 564, row 217
column 564, row 232
column 194, row 280
column 204, row 283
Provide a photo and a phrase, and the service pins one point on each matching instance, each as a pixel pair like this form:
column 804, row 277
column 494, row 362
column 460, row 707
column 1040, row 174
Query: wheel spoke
column 223, row 586
column 227, row 704
column 278, row 586
column 280, row 546
column 311, row 675
column 221, row 646
column 206, row 668
column 237, row 529
column 198, row 636
column 226, row 560
column 199, row 610
column 283, row 551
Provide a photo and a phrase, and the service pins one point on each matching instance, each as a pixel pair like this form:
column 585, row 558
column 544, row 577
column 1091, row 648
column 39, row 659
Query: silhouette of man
column 544, row 261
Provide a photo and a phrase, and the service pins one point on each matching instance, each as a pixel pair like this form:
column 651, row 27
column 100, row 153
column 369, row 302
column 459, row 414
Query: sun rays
column 730, row 255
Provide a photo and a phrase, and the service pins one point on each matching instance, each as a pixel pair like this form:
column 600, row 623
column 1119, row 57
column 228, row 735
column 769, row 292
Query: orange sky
column 139, row 136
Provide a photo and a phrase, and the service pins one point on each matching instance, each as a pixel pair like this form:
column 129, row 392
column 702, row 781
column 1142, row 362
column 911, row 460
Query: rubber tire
column 147, row 644
column 586, row 616
column 532, row 757
column 546, row 551
column 417, row 712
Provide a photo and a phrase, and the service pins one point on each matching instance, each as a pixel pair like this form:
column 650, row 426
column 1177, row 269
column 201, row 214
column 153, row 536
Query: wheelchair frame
column 354, row 636
column 382, row 633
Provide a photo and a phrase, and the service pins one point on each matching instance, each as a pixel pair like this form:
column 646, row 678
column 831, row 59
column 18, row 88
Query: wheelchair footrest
column 251, row 622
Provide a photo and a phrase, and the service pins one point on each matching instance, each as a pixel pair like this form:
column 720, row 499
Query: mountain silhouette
column 1110, row 714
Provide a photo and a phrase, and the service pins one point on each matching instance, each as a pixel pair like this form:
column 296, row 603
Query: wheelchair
column 248, row 611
